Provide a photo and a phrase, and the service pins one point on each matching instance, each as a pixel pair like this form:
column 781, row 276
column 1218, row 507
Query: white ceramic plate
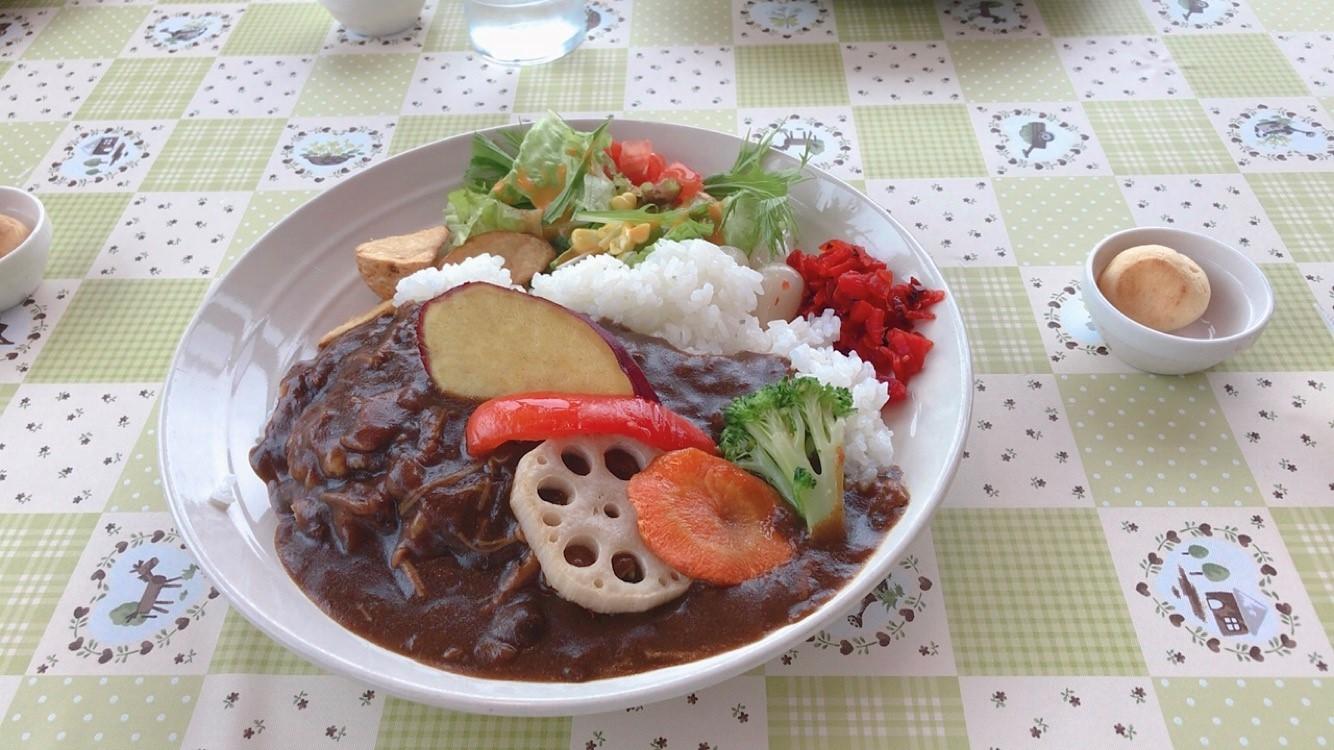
column 299, row 280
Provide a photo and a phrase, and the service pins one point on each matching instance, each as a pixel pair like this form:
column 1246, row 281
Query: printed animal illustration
column 808, row 141
column 1278, row 126
column 1192, row 7
column 149, row 605
column 1036, row 135
column 187, row 33
column 984, row 9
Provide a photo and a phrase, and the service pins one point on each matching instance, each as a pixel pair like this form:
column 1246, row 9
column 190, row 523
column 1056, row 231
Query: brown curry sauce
column 393, row 530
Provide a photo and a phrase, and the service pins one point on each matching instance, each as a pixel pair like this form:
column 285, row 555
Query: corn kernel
column 624, row 202
column 584, row 240
column 639, row 233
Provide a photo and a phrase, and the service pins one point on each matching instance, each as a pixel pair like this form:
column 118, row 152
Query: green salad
column 587, row 193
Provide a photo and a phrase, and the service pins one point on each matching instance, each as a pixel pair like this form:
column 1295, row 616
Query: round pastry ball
column 1156, row 286
column 12, row 234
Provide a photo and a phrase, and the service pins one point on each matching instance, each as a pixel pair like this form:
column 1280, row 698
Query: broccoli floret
column 790, row 433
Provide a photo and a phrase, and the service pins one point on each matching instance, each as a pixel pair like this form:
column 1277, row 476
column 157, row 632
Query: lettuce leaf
column 489, row 164
column 551, row 164
column 597, row 193
column 690, row 229
column 471, row 213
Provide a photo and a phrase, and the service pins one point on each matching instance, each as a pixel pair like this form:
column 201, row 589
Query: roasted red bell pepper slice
column 539, row 416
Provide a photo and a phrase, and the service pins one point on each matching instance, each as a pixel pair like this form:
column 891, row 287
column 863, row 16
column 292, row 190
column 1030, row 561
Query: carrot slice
column 708, row 518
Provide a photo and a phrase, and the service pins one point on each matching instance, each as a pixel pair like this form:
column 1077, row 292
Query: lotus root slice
column 569, row 496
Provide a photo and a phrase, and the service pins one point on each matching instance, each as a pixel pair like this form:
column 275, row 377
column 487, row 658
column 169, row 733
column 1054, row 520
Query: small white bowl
column 21, row 270
column 374, row 18
column 1240, row 305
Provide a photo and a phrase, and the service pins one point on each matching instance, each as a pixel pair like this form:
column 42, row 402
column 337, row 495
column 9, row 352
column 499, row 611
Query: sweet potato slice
column 384, row 261
column 525, row 255
column 481, row 341
column 384, row 308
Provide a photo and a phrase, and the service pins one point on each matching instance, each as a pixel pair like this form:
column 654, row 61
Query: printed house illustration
column 1235, row 612
column 105, row 145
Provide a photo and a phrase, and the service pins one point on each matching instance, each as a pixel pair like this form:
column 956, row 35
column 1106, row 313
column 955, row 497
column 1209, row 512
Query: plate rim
column 713, row 668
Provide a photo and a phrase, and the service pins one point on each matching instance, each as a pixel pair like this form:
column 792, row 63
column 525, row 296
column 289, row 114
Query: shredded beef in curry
column 395, row 532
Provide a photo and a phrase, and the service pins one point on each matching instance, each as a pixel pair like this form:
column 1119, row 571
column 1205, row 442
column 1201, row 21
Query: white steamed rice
column 809, row 345
column 689, row 293
column 699, row 299
column 429, row 283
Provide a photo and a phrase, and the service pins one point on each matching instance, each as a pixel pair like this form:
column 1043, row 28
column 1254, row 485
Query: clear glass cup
column 524, row 32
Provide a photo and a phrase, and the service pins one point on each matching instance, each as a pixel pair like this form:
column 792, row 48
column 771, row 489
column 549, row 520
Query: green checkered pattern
column 109, row 334
column 875, row 22
column 1288, row 344
column 242, row 649
column 448, row 29
column 1158, row 137
column 215, row 155
column 279, row 29
column 898, row 98
column 588, row 80
column 865, row 713
column 37, row 556
column 1298, row 205
column 145, row 90
column 1033, row 592
column 918, row 140
column 81, row 224
column 419, row 130
column 409, row 726
column 1308, row 534
column 1000, row 323
column 769, row 75
column 1101, row 18
column 1210, row 64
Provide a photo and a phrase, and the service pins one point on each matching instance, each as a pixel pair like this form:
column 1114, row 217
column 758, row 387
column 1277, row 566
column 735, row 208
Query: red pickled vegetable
column 877, row 315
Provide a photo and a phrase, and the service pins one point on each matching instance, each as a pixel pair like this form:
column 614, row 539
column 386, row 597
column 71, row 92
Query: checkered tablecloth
column 1124, row 560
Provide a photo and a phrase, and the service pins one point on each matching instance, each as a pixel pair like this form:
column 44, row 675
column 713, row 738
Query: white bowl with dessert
column 25, row 245
column 1173, row 302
